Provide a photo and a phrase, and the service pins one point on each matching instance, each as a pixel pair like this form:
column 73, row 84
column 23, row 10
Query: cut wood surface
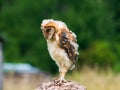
column 68, row 85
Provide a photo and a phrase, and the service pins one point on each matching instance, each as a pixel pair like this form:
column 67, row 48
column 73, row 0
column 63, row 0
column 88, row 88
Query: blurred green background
column 95, row 22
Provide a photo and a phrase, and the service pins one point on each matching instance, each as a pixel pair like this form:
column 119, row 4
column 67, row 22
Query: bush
column 99, row 53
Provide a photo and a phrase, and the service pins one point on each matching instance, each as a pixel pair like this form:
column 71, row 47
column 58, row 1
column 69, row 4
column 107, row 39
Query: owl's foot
column 59, row 81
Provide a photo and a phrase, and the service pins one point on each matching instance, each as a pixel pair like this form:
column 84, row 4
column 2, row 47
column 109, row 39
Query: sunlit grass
column 93, row 79
column 96, row 79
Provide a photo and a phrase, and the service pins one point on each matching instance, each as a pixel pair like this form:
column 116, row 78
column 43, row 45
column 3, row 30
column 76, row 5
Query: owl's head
column 50, row 27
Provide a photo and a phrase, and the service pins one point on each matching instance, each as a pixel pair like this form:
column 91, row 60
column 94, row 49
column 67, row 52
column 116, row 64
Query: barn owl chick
column 62, row 45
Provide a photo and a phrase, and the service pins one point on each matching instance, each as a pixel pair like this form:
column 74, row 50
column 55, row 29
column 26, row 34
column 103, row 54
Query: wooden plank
column 1, row 67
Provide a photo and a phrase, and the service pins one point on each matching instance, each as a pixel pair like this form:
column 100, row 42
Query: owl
column 62, row 45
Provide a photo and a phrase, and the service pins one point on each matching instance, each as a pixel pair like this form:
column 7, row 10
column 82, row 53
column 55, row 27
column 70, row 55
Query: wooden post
column 1, row 67
column 66, row 85
column 1, row 63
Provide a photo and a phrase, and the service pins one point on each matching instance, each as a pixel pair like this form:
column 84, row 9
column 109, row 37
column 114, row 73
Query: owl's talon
column 59, row 81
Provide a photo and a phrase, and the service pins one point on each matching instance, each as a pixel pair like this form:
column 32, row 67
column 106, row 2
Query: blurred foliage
column 96, row 23
column 100, row 53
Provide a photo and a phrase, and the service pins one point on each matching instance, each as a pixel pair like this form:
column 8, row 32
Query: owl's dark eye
column 48, row 30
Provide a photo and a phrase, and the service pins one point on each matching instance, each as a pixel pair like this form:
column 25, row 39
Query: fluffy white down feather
column 59, row 55
column 59, row 24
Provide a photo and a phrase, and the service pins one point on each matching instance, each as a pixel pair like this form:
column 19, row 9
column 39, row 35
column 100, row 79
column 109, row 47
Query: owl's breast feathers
column 68, row 42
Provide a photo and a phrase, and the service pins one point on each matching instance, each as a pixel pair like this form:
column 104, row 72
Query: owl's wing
column 68, row 42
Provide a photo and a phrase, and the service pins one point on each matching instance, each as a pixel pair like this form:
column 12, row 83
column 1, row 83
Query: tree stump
column 68, row 85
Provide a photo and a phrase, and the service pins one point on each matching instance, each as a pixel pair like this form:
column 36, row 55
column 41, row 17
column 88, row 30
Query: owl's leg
column 62, row 75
